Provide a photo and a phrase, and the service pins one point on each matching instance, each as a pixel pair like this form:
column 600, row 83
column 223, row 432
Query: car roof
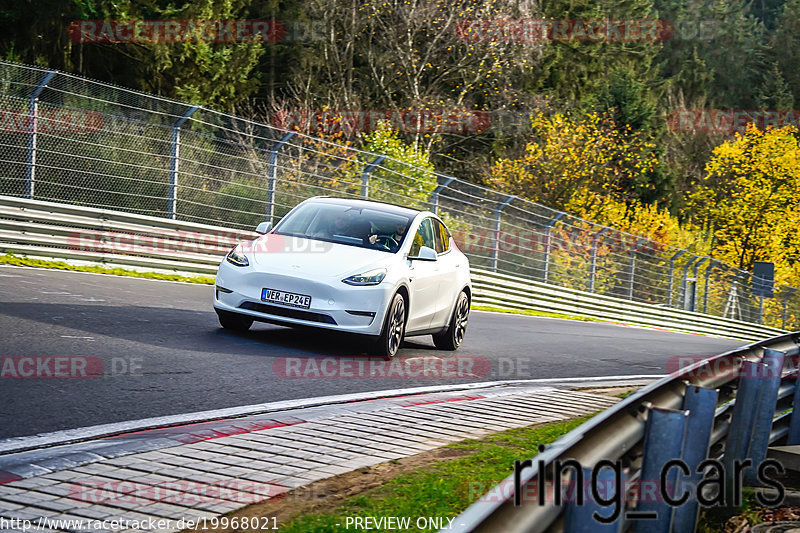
column 388, row 208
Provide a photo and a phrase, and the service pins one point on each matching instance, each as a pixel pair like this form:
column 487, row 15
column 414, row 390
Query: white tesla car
column 356, row 266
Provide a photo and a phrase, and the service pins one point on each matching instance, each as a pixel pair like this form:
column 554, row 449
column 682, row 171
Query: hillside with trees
column 645, row 130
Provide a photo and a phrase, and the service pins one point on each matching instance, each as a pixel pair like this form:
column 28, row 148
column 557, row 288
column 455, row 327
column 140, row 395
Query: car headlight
column 236, row 257
column 373, row 277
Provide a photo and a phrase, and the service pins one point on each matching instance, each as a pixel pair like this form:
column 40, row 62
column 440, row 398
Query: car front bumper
column 346, row 308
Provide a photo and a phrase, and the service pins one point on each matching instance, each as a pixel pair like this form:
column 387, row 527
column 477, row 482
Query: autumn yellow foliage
column 750, row 198
column 567, row 155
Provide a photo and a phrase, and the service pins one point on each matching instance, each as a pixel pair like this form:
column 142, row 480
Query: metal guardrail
column 73, row 140
column 513, row 292
column 54, row 230
column 114, row 238
column 730, row 408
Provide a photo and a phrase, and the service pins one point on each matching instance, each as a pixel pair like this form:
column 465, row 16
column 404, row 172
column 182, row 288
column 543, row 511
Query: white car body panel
column 316, row 268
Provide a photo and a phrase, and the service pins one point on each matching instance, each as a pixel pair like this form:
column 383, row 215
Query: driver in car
column 397, row 237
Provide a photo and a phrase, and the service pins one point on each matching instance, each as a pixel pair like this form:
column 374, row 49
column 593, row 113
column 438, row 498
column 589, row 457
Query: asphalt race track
column 82, row 349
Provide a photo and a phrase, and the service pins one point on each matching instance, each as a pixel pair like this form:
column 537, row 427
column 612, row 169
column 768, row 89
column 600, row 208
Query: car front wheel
column 394, row 327
column 453, row 336
column 234, row 321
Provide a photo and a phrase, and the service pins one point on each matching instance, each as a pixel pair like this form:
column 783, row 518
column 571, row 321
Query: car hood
column 312, row 258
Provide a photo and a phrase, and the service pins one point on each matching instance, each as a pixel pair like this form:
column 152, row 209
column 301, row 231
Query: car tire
column 394, row 328
column 453, row 336
column 234, row 321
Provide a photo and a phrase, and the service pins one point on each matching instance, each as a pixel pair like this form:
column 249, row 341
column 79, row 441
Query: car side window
column 442, row 237
column 423, row 237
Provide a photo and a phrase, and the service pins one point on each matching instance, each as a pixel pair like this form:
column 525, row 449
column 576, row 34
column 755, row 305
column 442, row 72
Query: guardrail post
column 701, row 404
column 33, row 125
column 497, row 216
column 794, row 424
column 579, row 518
column 632, row 266
column 593, row 264
column 765, row 411
column 789, row 292
column 366, row 172
column 435, row 196
column 272, row 179
column 691, row 304
column 740, row 431
column 710, row 266
column 672, row 275
column 665, row 431
column 547, row 240
column 172, row 208
column 682, row 294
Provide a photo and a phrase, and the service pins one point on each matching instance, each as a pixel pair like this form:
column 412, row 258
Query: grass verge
column 535, row 313
column 10, row 259
column 439, row 483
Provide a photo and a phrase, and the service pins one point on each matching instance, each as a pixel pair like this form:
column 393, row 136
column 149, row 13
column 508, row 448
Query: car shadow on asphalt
column 198, row 331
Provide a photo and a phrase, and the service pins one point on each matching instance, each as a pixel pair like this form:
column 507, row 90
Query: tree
column 753, row 208
column 567, row 155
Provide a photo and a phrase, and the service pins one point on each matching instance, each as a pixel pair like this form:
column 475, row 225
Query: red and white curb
column 151, row 478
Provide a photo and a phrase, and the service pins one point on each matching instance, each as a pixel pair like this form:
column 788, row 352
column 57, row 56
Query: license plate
column 286, row 298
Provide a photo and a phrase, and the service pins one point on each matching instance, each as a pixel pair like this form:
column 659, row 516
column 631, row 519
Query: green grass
column 444, row 488
column 10, row 259
column 534, row 313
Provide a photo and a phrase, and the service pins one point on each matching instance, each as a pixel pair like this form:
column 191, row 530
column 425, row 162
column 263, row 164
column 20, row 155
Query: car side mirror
column 425, row 254
column 264, row 227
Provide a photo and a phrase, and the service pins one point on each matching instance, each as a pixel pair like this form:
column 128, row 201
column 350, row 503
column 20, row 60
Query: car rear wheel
column 452, row 338
column 394, row 327
column 234, row 321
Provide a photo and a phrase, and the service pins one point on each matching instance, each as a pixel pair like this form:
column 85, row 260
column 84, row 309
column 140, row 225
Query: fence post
column 33, row 125
column 692, row 295
column 366, row 172
column 435, row 196
column 632, row 266
column 672, row 274
column 550, row 224
column 665, row 432
column 593, row 264
column 789, row 292
column 497, row 215
column 682, row 294
column 579, row 518
column 172, row 208
column 272, row 178
column 710, row 266
column 701, row 404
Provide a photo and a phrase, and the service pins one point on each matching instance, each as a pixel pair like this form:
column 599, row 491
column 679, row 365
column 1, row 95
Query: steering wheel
column 387, row 240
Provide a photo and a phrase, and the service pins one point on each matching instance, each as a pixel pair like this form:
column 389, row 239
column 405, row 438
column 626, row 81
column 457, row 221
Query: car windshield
column 365, row 227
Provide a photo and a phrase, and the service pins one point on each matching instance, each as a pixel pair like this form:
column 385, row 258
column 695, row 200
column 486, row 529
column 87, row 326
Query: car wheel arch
column 403, row 291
